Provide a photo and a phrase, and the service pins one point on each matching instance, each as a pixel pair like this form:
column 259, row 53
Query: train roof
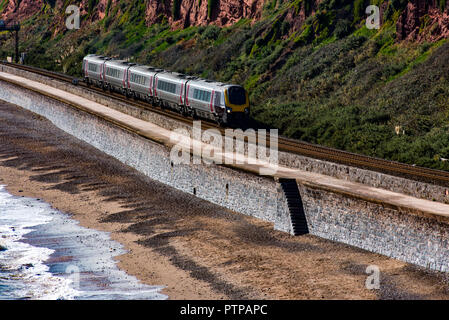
column 119, row 63
column 144, row 68
column 210, row 84
column 174, row 76
column 96, row 57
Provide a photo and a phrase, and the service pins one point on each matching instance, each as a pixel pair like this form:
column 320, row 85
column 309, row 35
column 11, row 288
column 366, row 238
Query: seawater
column 45, row 255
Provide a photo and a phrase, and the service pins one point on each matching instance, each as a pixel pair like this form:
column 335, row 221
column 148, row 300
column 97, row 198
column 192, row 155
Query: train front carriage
column 217, row 101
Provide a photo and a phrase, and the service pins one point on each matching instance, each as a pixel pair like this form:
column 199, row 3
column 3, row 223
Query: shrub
column 211, row 32
column 342, row 28
column 359, row 10
column 91, row 5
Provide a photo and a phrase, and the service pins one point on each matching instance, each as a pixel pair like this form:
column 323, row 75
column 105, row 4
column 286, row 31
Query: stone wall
column 402, row 234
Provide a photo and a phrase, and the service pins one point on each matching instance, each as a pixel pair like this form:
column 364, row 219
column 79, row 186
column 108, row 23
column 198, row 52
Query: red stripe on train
column 211, row 100
column 128, row 80
column 155, row 87
column 180, row 95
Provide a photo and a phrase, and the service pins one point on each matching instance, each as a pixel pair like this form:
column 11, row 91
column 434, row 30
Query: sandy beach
column 196, row 249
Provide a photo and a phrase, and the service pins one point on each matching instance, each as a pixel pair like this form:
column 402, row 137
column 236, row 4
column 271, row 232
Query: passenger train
column 191, row 96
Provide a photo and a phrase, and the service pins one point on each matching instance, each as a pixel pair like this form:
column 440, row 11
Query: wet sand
column 196, row 249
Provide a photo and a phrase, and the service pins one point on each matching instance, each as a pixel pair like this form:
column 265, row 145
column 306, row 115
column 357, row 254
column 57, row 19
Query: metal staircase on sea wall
column 295, row 206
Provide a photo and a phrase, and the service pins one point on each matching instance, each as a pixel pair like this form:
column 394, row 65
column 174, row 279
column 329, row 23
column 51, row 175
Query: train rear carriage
column 169, row 90
column 93, row 67
column 141, row 81
column 116, row 75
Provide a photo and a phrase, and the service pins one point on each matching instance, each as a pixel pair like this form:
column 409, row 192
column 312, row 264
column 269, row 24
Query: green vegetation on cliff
column 331, row 81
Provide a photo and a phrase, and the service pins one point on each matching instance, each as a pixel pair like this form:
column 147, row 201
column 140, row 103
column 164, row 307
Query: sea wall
column 399, row 233
column 236, row 190
column 407, row 235
column 398, row 184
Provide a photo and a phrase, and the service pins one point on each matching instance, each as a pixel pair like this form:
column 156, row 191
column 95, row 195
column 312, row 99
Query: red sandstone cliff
column 195, row 12
column 17, row 10
column 192, row 12
column 423, row 20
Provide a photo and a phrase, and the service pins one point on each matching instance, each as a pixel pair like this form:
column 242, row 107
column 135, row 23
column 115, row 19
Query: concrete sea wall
column 409, row 236
column 375, row 179
column 403, row 234
column 236, row 190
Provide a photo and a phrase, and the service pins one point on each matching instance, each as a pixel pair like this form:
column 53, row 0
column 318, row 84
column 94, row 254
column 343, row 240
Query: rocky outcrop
column 17, row 10
column 296, row 17
column 231, row 11
column 191, row 12
column 195, row 12
column 423, row 21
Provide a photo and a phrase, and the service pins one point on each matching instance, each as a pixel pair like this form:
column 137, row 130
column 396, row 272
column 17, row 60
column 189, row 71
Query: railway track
column 417, row 173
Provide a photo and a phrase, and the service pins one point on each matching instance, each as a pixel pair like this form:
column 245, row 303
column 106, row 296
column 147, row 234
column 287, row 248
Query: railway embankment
column 396, row 222
column 405, row 185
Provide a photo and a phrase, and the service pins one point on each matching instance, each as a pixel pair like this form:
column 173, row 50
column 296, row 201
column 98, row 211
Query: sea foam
column 49, row 256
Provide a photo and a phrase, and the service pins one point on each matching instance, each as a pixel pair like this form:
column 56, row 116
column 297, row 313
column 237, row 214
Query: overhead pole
column 13, row 28
column 17, row 45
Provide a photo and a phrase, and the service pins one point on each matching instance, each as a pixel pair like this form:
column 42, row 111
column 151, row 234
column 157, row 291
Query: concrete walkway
column 167, row 137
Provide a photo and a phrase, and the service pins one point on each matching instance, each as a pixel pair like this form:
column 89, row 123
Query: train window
column 201, row 95
column 92, row 67
column 137, row 78
column 206, row 96
column 166, row 86
column 217, row 98
column 237, row 95
column 113, row 72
